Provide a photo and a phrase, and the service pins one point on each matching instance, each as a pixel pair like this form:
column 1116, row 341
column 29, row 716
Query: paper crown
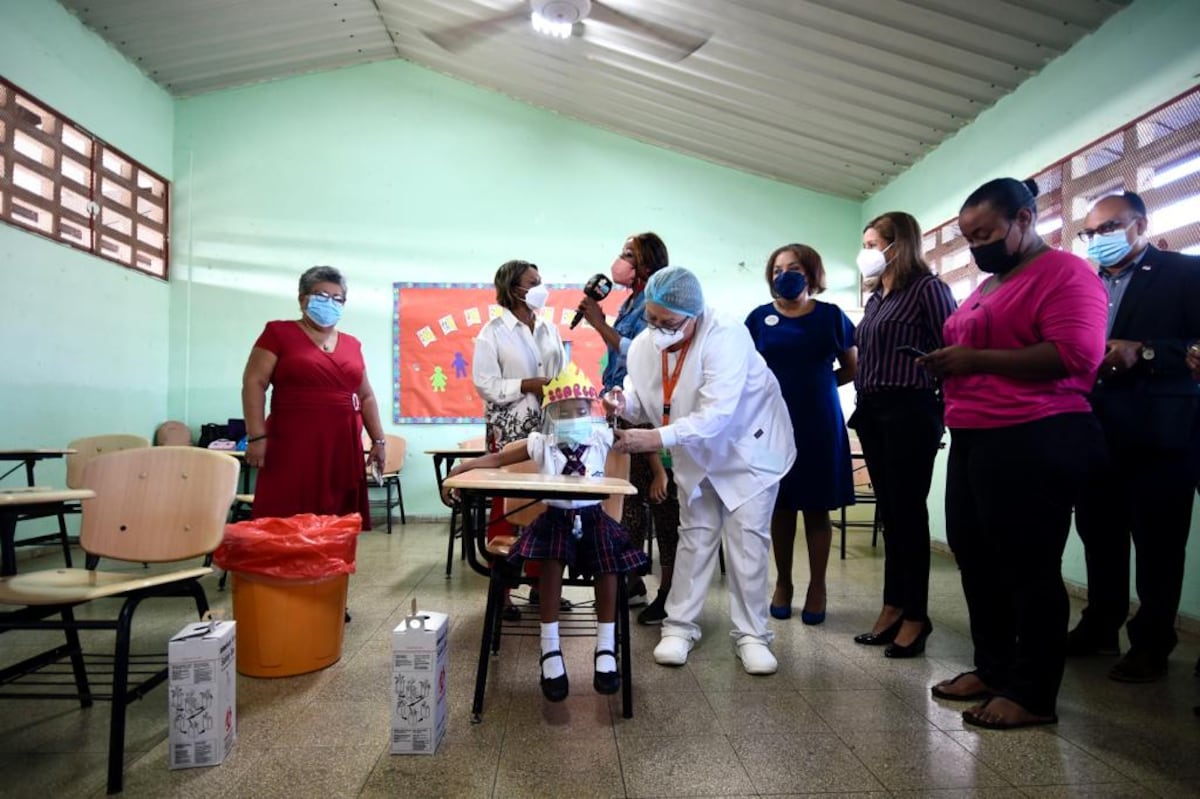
column 570, row 383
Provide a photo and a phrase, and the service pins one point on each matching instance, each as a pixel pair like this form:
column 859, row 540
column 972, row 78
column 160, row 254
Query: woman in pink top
column 1021, row 355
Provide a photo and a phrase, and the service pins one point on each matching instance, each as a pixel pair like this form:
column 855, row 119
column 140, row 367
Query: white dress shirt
column 550, row 461
column 728, row 420
column 506, row 352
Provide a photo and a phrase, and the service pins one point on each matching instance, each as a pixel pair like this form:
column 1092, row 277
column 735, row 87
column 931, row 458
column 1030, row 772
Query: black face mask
column 994, row 257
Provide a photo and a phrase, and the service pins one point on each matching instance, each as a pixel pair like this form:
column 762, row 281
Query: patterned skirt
column 604, row 547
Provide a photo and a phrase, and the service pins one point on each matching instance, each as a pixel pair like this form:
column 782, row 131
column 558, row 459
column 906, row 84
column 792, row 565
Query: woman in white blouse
column 516, row 355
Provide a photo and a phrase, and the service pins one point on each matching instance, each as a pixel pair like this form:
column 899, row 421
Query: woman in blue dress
column 809, row 345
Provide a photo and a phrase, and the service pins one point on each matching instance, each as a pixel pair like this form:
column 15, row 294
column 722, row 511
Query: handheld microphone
column 597, row 287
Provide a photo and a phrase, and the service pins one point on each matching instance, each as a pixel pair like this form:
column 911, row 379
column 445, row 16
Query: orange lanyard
column 669, row 382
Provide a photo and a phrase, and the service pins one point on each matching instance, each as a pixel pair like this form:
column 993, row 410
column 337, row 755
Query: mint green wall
column 395, row 173
column 86, row 339
column 1139, row 59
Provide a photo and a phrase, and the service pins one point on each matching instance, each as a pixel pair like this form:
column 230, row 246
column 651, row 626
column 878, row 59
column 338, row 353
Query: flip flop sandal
column 941, row 693
column 969, row 717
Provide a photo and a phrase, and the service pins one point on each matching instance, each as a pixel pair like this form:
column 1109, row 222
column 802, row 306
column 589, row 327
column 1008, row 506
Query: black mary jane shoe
column 881, row 638
column 555, row 689
column 606, row 682
column 917, row 647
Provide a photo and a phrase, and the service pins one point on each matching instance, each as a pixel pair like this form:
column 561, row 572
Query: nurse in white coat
column 724, row 425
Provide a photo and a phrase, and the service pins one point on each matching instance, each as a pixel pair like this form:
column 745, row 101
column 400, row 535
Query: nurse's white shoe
column 756, row 656
column 672, row 650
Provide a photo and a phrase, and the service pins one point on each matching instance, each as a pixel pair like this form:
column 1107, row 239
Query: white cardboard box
column 201, row 661
column 420, row 651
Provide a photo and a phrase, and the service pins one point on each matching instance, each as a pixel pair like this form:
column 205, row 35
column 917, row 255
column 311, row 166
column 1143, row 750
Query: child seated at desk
column 575, row 441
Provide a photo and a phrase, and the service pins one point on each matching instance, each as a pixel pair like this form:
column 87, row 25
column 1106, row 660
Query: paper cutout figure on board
column 438, row 379
column 460, row 365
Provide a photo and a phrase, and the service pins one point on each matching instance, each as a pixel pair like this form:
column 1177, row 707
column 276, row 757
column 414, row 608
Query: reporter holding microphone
column 641, row 256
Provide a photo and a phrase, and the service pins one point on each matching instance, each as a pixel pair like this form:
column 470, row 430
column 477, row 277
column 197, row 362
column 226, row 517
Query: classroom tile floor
column 838, row 719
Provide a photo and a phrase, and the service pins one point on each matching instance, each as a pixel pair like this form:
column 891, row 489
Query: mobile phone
column 376, row 474
column 911, row 351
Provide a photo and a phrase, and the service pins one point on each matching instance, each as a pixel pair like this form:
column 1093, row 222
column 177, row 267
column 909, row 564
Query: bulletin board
column 433, row 343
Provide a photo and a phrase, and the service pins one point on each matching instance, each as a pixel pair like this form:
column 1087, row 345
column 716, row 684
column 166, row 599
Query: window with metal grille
column 1156, row 155
column 62, row 182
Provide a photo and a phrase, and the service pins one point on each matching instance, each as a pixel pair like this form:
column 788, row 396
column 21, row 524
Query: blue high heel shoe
column 783, row 611
column 811, row 617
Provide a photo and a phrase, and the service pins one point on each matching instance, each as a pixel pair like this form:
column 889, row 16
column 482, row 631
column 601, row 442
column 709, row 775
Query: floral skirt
column 604, row 547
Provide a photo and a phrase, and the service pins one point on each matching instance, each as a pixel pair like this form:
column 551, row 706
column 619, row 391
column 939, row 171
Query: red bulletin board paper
column 433, row 345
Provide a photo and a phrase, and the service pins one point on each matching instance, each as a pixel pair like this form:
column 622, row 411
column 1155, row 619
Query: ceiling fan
column 560, row 18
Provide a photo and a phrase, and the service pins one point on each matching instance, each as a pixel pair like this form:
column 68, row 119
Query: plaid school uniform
column 604, row 547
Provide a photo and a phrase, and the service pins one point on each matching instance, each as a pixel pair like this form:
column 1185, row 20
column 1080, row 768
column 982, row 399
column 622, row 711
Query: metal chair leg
column 490, row 616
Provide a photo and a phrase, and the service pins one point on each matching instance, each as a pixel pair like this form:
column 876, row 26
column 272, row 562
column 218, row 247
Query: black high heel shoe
column 879, row 639
column 917, row 647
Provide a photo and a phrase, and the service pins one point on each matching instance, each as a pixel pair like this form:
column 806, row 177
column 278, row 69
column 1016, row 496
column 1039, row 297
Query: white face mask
column 536, row 297
column 664, row 339
column 872, row 262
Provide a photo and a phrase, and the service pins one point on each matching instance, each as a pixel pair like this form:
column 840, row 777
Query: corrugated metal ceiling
column 839, row 96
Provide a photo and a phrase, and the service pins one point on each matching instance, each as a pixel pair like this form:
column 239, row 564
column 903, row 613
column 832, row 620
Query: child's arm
column 513, row 452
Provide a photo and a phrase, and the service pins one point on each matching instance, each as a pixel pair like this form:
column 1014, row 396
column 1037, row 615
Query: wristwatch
column 1146, row 353
column 379, row 441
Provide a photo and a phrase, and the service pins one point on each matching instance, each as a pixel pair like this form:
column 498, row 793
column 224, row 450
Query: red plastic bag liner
column 301, row 547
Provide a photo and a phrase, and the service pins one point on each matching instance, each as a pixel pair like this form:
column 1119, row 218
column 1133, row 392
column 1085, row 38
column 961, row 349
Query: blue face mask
column 1108, row 249
column 789, row 285
column 323, row 310
column 574, row 432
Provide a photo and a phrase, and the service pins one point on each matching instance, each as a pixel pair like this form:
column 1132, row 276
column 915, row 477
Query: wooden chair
column 397, row 448
column 158, row 505
column 503, row 575
column 85, row 449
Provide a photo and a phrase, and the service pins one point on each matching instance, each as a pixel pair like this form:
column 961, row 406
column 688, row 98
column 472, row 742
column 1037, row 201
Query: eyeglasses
column 338, row 298
column 1111, row 226
column 665, row 328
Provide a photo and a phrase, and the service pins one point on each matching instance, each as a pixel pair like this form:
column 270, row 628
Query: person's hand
column 955, row 360
column 658, row 485
column 591, row 311
column 614, row 402
column 637, row 441
column 534, row 385
column 256, row 453
column 1120, row 356
column 378, row 455
column 1193, row 360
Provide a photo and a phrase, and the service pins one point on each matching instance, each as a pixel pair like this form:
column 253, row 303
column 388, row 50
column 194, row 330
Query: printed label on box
column 202, row 694
column 420, row 647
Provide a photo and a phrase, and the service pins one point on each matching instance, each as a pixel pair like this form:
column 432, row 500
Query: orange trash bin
column 288, row 627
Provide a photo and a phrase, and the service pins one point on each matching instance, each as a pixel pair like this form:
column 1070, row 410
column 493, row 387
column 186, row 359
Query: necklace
column 329, row 341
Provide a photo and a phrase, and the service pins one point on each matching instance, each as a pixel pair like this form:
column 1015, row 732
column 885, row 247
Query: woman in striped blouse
column 899, row 418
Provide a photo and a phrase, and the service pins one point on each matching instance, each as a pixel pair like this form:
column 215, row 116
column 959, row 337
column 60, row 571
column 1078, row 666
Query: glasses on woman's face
column 338, row 298
column 664, row 325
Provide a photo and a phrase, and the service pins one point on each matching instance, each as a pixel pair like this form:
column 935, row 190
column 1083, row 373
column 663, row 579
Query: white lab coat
column 729, row 422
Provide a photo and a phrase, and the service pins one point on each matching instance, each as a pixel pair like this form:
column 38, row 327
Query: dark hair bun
column 1032, row 185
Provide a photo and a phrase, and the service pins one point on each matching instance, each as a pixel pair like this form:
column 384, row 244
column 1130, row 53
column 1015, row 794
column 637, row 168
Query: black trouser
column 1009, row 494
column 900, row 432
column 1146, row 492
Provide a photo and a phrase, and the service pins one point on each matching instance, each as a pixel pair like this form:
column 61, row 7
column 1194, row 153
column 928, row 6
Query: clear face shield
column 573, row 421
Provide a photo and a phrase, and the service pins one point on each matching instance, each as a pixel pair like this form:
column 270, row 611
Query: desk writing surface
column 42, row 495
column 461, row 452
column 503, row 480
column 33, row 452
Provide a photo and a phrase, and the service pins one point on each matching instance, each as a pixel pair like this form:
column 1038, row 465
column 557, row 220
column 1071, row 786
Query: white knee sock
column 606, row 637
column 551, row 667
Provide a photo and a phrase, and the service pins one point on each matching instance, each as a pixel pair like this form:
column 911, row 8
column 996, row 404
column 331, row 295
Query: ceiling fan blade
column 459, row 37
column 682, row 42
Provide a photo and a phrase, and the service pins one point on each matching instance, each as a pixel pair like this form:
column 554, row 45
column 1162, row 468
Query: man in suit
column 1149, row 407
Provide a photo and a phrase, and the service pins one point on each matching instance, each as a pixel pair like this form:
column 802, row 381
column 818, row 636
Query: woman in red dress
column 309, row 451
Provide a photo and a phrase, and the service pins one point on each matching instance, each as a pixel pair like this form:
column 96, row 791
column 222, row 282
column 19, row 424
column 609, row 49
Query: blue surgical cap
column 677, row 290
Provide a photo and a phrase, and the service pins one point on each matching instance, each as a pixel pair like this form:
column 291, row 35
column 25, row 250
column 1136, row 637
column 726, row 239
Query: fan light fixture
column 546, row 27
